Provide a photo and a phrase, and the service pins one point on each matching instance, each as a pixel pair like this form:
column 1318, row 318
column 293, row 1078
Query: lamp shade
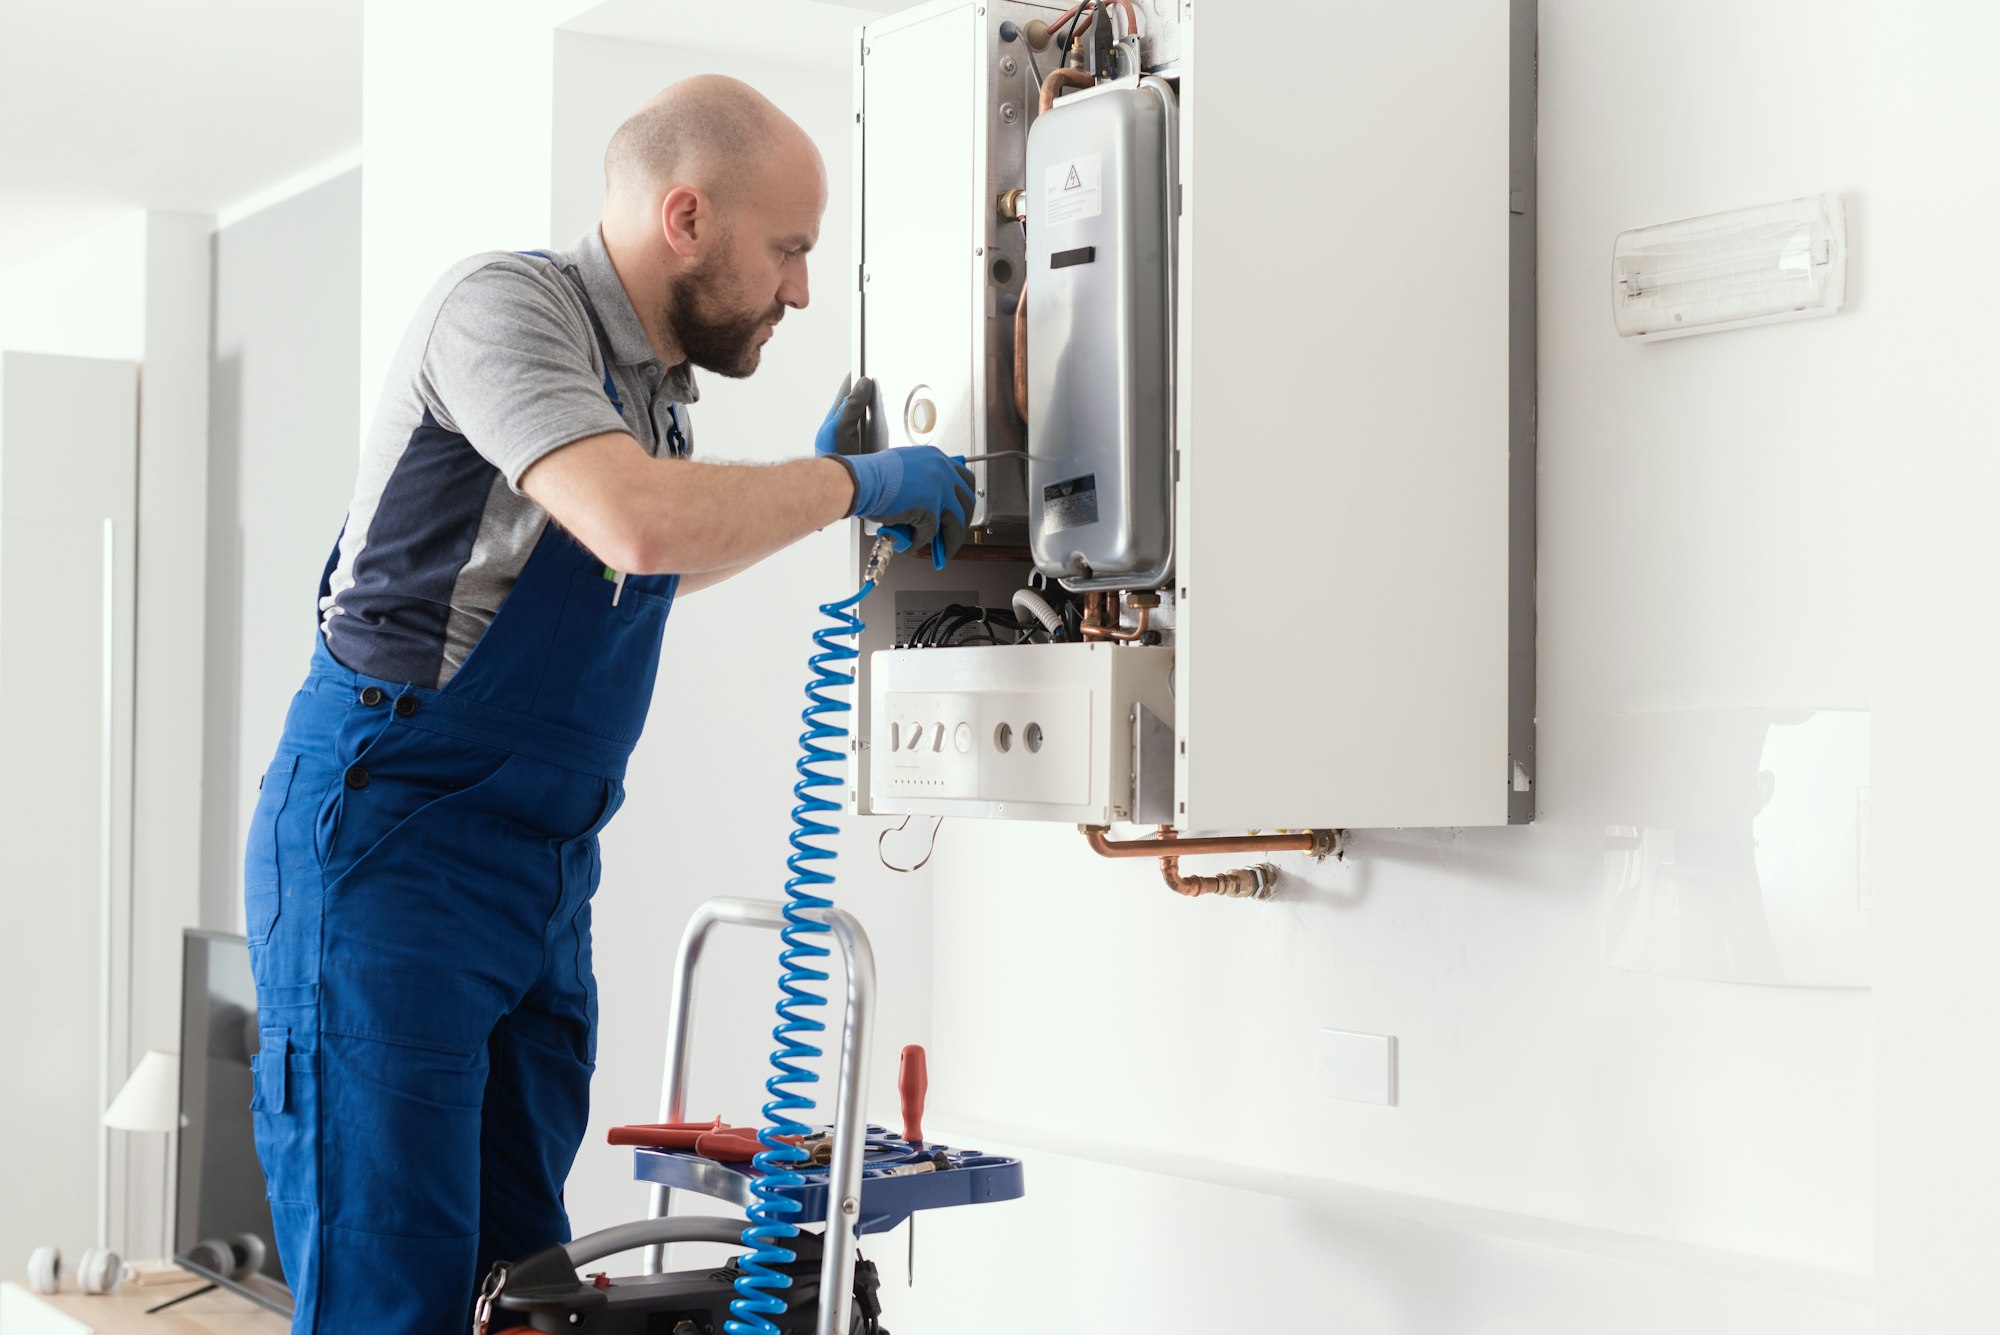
column 151, row 1099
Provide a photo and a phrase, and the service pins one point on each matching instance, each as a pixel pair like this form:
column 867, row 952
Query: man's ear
column 686, row 219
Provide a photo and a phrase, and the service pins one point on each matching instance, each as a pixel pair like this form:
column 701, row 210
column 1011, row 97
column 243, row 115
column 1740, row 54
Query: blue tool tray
column 972, row 1179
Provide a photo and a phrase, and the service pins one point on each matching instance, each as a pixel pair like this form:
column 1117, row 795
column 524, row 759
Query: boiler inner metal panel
column 1100, row 338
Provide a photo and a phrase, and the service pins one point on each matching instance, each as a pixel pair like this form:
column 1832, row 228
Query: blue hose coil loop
column 760, row 1286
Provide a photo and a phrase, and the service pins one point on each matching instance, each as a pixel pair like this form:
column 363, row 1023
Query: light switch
column 1357, row 1067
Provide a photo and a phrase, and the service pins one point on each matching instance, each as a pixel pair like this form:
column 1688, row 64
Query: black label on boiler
column 1070, row 504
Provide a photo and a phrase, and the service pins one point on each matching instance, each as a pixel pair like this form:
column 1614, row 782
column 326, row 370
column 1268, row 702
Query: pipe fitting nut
column 1267, row 880
column 1258, row 882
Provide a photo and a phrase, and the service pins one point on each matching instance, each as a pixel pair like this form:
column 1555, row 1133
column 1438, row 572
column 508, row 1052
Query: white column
column 167, row 700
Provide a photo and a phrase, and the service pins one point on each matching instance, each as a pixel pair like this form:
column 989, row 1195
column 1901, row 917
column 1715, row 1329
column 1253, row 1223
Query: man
column 424, row 848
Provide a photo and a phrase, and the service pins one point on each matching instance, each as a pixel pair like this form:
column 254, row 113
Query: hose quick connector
column 878, row 559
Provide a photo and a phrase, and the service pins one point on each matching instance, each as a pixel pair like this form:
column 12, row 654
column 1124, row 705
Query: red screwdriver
column 912, row 1082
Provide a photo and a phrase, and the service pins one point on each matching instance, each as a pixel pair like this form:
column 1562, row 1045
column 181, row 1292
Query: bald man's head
column 707, row 132
column 712, row 197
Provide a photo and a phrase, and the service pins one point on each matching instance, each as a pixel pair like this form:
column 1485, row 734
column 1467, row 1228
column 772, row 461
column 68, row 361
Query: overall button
column 373, row 696
column 357, row 777
column 406, row 705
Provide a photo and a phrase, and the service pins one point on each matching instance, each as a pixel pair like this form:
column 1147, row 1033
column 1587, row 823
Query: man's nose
column 795, row 293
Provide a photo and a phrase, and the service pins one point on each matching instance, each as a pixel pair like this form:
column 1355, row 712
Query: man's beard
column 709, row 333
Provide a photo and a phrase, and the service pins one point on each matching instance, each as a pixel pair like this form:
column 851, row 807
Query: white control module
column 1071, row 732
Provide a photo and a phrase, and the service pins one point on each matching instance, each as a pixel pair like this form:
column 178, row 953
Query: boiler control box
column 1068, row 732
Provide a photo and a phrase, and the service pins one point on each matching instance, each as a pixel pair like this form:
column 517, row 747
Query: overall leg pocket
column 263, row 879
column 285, row 1117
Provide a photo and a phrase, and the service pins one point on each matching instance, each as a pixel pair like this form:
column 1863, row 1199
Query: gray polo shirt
column 502, row 363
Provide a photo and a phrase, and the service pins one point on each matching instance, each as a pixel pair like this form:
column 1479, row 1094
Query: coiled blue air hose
column 760, row 1286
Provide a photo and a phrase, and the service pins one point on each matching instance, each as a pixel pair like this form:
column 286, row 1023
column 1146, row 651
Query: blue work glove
column 918, row 493
column 846, row 422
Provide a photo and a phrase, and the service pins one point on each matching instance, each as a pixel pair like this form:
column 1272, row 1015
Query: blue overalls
column 417, row 896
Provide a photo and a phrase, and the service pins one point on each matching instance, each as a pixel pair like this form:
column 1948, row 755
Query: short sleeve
column 509, row 365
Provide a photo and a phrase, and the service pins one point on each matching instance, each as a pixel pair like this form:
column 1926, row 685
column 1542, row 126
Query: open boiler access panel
column 1232, row 308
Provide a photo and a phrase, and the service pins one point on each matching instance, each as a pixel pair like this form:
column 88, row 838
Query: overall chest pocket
column 602, row 658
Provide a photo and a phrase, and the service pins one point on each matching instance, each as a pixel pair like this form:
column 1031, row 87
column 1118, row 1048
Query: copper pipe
column 1138, row 632
column 1052, row 85
column 1093, row 617
column 1319, row 843
column 1242, row 883
column 1100, row 619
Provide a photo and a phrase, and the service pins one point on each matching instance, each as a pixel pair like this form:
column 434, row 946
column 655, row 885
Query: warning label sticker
column 1074, row 190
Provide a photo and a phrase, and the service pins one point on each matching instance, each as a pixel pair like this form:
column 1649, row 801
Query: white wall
column 84, row 298
column 1096, row 1248
column 455, row 103
column 282, row 441
column 1932, row 475
column 710, row 787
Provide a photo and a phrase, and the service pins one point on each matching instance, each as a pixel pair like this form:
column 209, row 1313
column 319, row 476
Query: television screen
column 222, row 1223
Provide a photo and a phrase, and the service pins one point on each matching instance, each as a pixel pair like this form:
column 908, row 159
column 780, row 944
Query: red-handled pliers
column 711, row 1140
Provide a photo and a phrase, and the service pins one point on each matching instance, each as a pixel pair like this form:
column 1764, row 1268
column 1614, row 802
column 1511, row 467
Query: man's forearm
column 653, row 516
column 699, row 517
column 707, row 579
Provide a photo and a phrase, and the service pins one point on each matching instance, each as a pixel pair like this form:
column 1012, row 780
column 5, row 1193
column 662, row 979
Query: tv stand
column 195, row 1310
column 176, row 1302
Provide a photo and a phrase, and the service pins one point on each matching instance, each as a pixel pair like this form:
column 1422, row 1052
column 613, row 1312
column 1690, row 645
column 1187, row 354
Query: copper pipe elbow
column 1255, row 882
column 1100, row 619
column 1138, row 632
column 1052, row 85
column 1093, row 616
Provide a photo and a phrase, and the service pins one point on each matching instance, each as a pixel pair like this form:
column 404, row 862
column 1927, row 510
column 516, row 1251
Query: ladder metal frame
column 850, row 1127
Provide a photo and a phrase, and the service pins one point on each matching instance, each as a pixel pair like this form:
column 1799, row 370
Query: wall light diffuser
column 1727, row 270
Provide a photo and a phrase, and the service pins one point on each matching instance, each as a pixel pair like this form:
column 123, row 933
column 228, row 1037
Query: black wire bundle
column 965, row 623
column 943, row 626
column 1072, row 619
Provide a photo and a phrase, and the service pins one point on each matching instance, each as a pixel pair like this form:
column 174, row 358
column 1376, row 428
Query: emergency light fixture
column 1726, row 270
